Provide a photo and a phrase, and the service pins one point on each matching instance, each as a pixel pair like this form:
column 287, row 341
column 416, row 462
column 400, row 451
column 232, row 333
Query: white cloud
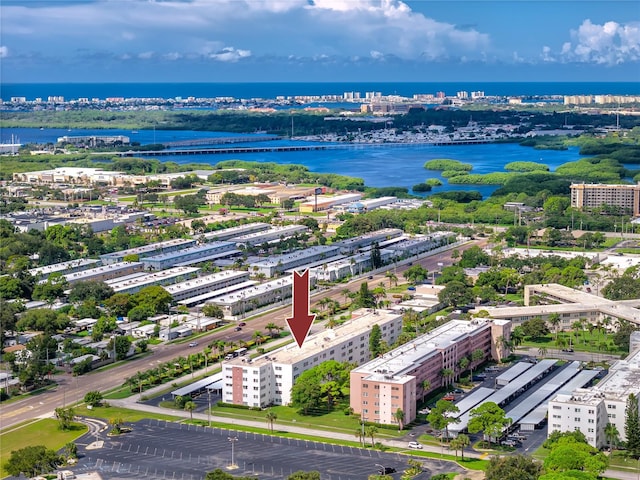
column 258, row 28
column 146, row 55
column 4, row 51
column 377, row 55
column 230, row 54
column 609, row 43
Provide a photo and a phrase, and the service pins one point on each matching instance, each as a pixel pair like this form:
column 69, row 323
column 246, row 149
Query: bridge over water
column 289, row 148
column 219, row 141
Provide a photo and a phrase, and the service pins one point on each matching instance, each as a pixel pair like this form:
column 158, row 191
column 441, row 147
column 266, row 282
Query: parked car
column 508, row 443
column 449, row 398
column 193, row 344
column 569, row 350
column 386, row 470
column 457, row 390
column 424, row 411
column 416, row 445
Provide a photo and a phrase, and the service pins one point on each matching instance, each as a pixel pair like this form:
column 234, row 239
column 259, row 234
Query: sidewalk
column 133, row 405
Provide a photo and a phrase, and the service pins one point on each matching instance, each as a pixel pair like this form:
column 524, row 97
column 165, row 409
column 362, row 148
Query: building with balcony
column 205, row 284
column 148, row 250
column 190, row 255
column 396, row 379
column 276, row 264
column 595, row 195
column 591, row 409
column 268, row 379
column 271, row 235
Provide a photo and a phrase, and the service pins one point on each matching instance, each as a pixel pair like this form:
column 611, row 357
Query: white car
column 416, row 445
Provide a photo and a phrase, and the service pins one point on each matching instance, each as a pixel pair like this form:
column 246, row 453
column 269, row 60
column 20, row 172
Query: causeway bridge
column 219, row 141
column 287, row 148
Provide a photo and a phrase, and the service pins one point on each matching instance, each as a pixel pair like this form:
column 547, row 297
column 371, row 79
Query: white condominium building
column 590, row 409
column 268, row 379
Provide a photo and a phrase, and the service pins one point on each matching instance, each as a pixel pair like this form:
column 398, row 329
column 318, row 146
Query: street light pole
column 233, row 465
column 209, row 406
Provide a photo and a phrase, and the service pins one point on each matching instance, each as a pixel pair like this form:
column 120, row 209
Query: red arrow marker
column 300, row 322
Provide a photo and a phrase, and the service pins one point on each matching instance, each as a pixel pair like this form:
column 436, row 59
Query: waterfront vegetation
column 526, row 167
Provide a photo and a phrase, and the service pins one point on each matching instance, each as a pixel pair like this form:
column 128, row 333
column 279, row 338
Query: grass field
column 594, row 342
column 41, row 432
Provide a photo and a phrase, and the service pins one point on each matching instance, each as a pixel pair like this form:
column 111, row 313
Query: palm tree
column 271, row 417
column 360, row 436
column 554, row 319
column 462, row 441
column 271, row 327
column 463, row 364
column 257, row 337
column 426, row 386
column 346, row 293
column 446, row 374
column 517, row 336
column 398, row 416
column 612, row 434
column 542, row 351
column 190, row 406
column 392, row 278
column 476, row 356
column 370, row 432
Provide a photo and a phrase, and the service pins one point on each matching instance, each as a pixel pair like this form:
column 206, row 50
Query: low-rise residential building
column 104, row 272
column 163, row 277
column 569, row 304
column 591, row 409
column 268, row 379
column 280, row 263
column 322, row 202
column 349, row 266
column 271, row 235
column 190, row 255
column 422, row 243
column 63, row 267
column 208, row 283
column 351, row 245
column 251, row 298
column 396, row 379
column 148, row 250
column 233, row 232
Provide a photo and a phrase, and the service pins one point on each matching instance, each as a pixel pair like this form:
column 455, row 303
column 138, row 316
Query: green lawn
column 127, row 415
column 618, row 460
column 332, row 421
column 41, row 432
column 585, row 341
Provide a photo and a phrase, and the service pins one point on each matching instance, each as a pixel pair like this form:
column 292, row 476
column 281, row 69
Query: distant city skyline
column 318, row 40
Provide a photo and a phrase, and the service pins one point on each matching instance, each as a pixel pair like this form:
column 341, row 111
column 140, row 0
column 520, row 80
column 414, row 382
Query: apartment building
column 271, row 235
column 148, row 250
column 591, row 409
column 279, row 263
column 595, row 195
column 205, row 284
column 233, row 232
column 268, row 379
column 105, row 272
column 395, row 380
column 350, row 245
column 134, row 284
column 190, row 255
column 63, row 267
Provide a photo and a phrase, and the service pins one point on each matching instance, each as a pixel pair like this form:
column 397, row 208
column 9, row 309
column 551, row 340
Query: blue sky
column 318, row 40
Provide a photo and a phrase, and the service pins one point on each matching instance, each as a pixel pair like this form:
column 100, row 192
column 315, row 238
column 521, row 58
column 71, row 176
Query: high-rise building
column 595, row 195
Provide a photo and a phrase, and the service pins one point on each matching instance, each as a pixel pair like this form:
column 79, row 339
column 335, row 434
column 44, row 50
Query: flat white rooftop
column 153, row 278
column 255, row 291
column 409, row 356
column 213, row 279
column 113, row 267
column 297, row 255
column 202, row 249
column 317, row 343
column 150, row 248
column 61, row 267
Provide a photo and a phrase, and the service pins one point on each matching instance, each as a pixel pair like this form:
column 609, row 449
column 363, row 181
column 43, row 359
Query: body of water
column 72, row 91
column 379, row 165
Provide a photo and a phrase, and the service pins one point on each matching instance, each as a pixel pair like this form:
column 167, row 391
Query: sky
column 44, row 41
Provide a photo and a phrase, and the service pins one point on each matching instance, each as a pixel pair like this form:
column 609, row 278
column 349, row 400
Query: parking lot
column 167, row 450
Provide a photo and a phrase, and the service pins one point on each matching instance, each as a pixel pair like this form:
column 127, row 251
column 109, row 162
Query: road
column 72, row 389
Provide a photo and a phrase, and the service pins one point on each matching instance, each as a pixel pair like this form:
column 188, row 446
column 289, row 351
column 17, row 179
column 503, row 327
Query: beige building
column 268, row 379
column 395, row 380
column 595, row 195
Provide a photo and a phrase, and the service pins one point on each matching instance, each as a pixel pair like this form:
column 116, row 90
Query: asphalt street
column 72, row 389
